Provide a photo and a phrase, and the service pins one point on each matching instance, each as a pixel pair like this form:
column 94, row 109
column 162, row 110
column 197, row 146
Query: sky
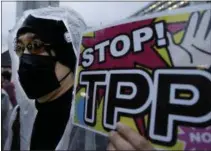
column 8, row 21
column 94, row 13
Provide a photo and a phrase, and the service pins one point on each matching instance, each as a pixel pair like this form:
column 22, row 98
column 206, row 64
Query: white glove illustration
column 195, row 48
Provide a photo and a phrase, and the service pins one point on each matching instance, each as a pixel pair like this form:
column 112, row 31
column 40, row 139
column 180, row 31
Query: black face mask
column 37, row 75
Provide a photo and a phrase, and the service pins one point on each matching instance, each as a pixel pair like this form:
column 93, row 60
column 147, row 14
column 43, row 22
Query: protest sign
column 152, row 74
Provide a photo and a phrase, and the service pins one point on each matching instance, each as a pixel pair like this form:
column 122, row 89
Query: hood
column 75, row 26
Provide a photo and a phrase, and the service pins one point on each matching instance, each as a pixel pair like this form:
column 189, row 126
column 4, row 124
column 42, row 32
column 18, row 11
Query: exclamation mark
column 161, row 40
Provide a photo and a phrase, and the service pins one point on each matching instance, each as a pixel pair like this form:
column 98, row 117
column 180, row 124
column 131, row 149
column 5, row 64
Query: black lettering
column 91, row 80
column 192, row 107
column 133, row 102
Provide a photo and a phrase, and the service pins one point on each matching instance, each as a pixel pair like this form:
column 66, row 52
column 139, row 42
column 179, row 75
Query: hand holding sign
column 194, row 49
column 127, row 139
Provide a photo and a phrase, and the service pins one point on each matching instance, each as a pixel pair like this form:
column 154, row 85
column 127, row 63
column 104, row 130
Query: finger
column 208, row 30
column 204, row 25
column 208, row 39
column 169, row 36
column 133, row 137
column 192, row 25
column 119, row 143
column 110, row 147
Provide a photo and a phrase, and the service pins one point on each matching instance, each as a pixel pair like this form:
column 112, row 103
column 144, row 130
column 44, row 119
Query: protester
column 6, row 109
column 9, row 87
column 46, row 50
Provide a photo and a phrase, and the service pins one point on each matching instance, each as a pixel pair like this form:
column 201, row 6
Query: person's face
column 30, row 44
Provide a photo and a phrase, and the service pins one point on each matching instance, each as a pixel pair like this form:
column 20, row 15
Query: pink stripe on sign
column 175, row 27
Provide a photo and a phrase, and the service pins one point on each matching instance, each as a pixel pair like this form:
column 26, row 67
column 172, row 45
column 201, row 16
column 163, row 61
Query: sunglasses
column 34, row 47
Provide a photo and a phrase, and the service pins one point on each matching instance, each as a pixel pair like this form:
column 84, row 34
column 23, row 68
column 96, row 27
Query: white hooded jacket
column 6, row 108
column 73, row 137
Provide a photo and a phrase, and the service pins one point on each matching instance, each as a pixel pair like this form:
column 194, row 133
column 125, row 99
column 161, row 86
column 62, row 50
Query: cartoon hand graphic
column 195, row 48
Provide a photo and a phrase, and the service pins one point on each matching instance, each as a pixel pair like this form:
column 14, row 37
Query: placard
column 152, row 73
